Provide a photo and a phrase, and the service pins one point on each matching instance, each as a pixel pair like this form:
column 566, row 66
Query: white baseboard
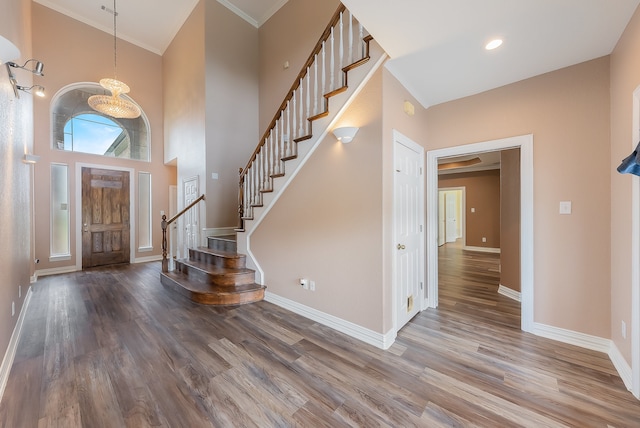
column 379, row 340
column 621, row 365
column 55, row 271
column 510, row 293
column 482, row 249
column 570, row 337
column 7, row 361
column 589, row 342
column 148, row 259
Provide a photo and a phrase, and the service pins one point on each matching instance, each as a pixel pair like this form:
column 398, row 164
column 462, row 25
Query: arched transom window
column 77, row 127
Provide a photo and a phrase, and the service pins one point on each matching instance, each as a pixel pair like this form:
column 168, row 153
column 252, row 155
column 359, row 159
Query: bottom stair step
column 203, row 293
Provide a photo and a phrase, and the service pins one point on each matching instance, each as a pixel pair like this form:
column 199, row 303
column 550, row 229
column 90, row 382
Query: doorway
column 451, row 214
column 105, row 217
column 525, row 143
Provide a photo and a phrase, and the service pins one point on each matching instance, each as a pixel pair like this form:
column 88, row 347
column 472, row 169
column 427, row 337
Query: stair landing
column 214, row 275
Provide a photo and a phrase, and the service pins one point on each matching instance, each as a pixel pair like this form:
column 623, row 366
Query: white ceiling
column 436, row 46
column 152, row 24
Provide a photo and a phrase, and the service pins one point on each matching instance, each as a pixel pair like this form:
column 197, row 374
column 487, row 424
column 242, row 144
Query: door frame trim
column 463, row 210
column 402, row 139
column 132, row 213
column 525, row 143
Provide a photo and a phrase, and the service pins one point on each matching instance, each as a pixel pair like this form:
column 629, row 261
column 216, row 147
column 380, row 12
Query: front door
column 105, row 217
column 408, row 207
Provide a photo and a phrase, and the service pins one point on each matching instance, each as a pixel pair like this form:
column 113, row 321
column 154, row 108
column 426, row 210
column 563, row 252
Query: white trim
column 60, row 258
column 379, row 340
column 399, row 138
column 235, row 9
column 463, row 213
column 588, row 341
column 525, row 143
column 132, row 209
column 7, row 361
column 56, row 271
column 481, row 249
column 145, row 249
column 621, row 365
column 571, row 337
column 260, row 277
column 635, row 256
column 147, row 259
column 510, row 293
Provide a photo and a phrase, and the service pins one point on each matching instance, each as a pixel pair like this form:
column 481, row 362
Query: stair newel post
column 241, row 200
column 165, row 261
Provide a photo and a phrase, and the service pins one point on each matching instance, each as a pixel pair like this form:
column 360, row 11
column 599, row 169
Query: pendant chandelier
column 114, row 105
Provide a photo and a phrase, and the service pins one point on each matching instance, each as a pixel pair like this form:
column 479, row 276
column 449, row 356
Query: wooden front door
column 105, row 217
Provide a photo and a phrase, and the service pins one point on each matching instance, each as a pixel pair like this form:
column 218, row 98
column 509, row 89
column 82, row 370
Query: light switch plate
column 565, row 207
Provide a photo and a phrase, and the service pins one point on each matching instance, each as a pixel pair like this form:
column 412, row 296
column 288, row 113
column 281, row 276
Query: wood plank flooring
column 111, row 347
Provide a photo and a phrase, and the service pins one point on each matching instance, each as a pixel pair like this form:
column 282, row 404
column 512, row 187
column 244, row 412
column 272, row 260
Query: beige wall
column 64, row 45
column 183, row 82
column 625, row 79
column 16, row 138
column 327, row 225
column 567, row 111
column 482, row 191
column 510, row 219
column 289, row 35
column 231, row 50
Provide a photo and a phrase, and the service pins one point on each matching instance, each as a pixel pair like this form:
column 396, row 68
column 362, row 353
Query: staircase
column 342, row 61
column 214, row 275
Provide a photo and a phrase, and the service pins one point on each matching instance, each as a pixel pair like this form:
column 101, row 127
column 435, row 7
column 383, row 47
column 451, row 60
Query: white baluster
column 293, row 113
column 332, row 63
column 341, row 62
column 282, row 141
column 308, row 115
column 289, row 140
column 301, row 124
column 361, row 39
column 324, row 70
column 350, row 38
column 315, row 85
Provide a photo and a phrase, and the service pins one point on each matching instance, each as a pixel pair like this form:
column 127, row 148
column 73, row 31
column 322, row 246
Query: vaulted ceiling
column 436, row 46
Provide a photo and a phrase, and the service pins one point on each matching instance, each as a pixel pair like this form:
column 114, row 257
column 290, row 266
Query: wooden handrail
column 164, row 223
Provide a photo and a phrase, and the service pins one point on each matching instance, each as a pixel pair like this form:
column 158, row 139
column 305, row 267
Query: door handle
column 401, row 247
column 85, row 227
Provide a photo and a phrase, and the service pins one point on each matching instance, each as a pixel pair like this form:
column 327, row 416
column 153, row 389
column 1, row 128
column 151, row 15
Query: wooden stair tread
column 220, row 253
column 203, row 293
column 214, row 270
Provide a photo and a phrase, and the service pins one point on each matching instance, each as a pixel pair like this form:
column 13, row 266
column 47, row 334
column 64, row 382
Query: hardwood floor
column 111, row 347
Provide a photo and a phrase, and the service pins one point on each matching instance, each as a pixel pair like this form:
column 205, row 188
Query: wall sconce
column 37, row 89
column 345, row 134
column 37, row 70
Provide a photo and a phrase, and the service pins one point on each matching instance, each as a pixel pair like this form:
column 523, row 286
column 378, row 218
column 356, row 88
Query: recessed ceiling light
column 493, row 44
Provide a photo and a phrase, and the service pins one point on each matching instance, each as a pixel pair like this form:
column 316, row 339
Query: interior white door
column 451, row 209
column 192, row 217
column 408, row 207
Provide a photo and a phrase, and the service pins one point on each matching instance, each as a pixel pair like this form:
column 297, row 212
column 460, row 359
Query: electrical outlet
column 484, row 239
column 312, row 285
column 624, row 330
column 13, row 308
column 19, row 291
column 304, row 283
